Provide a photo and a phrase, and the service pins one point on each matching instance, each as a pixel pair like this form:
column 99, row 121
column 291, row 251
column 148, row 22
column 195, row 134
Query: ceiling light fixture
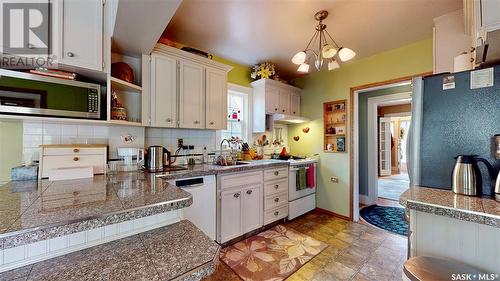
column 324, row 56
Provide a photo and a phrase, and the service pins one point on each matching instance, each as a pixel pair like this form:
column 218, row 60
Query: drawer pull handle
column 276, row 213
column 249, row 191
column 275, row 109
column 211, row 123
column 168, row 120
column 276, row 186
column 196, row 122
column 236, row 195
column 276, row 173
column 276, row 200
column 283, row 110
column 76, row 150
column 76, row 158
column 70, row 54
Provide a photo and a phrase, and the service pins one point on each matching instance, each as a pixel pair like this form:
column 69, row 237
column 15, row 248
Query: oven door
column 293, row 191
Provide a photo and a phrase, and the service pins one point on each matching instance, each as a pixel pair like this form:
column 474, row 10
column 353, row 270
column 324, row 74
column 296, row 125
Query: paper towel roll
column 462, row 62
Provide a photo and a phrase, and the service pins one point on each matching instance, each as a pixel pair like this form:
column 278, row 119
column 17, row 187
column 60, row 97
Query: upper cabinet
column 273, row 97
column 80, row 34
column 187, row 91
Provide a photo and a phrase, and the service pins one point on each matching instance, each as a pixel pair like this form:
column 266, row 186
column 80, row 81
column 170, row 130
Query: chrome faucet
column 222, row 142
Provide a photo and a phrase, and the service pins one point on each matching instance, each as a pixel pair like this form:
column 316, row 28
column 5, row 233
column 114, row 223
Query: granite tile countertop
column 39, row 210
column 446, row 203
column 209, row 169
column 178, row 251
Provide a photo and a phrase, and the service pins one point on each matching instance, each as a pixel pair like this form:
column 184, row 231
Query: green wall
column 363, row 130
column 11, row 147
column 240, row 74
column 335, row 85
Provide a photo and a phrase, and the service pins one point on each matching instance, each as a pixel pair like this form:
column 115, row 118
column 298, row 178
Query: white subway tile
column 32, row 141
column 85, row 131
column 32, row 128
column 101, row 132
column 77, row 238
column 37, row 248
column 48, row 139
column 14, row 254
column 52, row 129
column 69, row 130
column 110, row 230
column 95, row 234
column 154, row 132
column 58, row 243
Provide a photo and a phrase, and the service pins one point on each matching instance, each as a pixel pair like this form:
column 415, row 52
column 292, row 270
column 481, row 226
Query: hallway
column 391, row 187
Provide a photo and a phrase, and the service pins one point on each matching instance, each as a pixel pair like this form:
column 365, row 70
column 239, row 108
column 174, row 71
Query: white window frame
column 246, row 92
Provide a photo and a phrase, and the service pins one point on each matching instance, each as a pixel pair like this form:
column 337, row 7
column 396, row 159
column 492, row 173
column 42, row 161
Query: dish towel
column 310, row 176
column 300, row 182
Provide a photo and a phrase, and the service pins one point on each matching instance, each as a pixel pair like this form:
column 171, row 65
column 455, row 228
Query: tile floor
column 391, row 187
column 356, row 252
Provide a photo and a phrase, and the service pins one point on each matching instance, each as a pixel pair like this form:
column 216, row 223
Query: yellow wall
column 11, row 147
column 240, row 74
column 335, row 85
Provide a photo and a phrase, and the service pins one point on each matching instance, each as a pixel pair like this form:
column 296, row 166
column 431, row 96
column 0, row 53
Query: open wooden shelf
column 335, row 120
column 120, row 85
column 125, row 123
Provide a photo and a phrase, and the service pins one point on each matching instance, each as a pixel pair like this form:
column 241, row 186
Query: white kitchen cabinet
column 294, row 104
column 191, row 90
column 251, row 208
column 80, row 34
column 216, row 99
column 163, row 91
column 284, row 101
column 490, row 15
column 231, row 215
column 272, row 97
column 191, row 95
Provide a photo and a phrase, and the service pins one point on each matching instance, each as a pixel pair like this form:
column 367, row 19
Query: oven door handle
column 296, row 169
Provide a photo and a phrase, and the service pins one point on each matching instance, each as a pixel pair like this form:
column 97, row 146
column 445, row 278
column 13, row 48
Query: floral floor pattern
column 272, row 255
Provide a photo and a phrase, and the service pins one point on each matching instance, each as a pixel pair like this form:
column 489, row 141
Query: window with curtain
column 237, row 107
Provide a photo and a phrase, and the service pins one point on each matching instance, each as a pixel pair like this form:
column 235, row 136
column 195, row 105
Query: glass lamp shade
column 299, row 58
column 328, row 51
column 346, row 54
column 318, row 63
column 333, row 65
column 304, row 68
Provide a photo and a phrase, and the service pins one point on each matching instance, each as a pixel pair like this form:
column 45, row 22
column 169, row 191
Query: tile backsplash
column 168, row 138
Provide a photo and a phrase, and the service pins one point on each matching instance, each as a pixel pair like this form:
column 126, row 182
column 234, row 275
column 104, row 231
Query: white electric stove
column 301, row 201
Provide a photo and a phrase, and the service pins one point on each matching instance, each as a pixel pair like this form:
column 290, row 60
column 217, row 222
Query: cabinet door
column 284, row 102
column 230, row 217
column 490, row 14
column 294, row 104
column 252, row 208
column 81, row 34
column 163, row 91
column 272, row 100
column 191, row 95
column 216, row 99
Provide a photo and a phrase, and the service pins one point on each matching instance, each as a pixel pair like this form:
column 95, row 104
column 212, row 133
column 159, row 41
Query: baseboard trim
column 364, row 199
column 333, row 214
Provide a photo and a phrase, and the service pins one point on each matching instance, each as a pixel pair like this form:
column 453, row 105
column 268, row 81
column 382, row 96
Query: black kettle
column 466, row 177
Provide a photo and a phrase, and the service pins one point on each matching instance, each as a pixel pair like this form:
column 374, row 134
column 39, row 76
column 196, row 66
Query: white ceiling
column 252, row 31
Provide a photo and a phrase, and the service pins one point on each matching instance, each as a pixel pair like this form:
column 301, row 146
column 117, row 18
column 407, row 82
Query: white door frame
column 356, row 197
column 372, row 140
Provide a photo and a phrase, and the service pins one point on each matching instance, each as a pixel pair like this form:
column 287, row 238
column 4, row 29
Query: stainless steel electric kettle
column 466, row 177
column 157, row 157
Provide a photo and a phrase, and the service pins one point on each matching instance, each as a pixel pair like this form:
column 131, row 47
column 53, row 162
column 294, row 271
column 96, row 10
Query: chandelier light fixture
column 326, row 55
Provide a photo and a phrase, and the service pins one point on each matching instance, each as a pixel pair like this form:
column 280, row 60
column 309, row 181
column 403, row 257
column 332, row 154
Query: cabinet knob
column 211, row 122
column 70, row 54
column 76, row 150
column 276, row 213
column 294, row 112
column 276, row 173
column 249, row 191
column 76, row 158
column 275, row 109
column 30, row 46
column 236, row 195
column 283, row 110
column 276, row 200
column 196, row 122
column 276, row 186
column 168, row 120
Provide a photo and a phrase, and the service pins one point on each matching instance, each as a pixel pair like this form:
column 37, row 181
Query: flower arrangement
column 263, row 70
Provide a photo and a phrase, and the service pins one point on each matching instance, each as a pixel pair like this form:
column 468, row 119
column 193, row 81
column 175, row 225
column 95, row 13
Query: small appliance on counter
column 132, row 157
column 466, row 177
column 159, row 159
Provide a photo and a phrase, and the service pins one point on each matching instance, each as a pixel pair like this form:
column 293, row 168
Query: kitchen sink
column 239, row 163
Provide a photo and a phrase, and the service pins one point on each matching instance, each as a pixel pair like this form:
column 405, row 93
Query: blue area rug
column 388, row 218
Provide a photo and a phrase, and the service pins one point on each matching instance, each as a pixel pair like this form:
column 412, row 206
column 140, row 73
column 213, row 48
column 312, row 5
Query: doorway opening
column 394, row 119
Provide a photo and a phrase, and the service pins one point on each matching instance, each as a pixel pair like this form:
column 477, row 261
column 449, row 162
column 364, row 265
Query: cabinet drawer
column 275, row 201
column 97, row 162
column 275, row 187
column 240, row 179
column 74, row 150
column 273, row 174
column 275, row 214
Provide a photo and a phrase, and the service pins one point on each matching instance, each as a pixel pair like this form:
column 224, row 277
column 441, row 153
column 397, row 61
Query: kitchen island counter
column 446, row 203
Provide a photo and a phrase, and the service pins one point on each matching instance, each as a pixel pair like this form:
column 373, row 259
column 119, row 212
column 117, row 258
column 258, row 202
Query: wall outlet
column 334, row 179
column 180, row 142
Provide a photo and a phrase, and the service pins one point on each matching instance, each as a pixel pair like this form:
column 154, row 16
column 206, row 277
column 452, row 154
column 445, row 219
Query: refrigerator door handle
column 414, row 134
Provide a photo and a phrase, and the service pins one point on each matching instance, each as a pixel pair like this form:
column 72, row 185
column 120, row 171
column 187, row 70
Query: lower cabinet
column 231, row 215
